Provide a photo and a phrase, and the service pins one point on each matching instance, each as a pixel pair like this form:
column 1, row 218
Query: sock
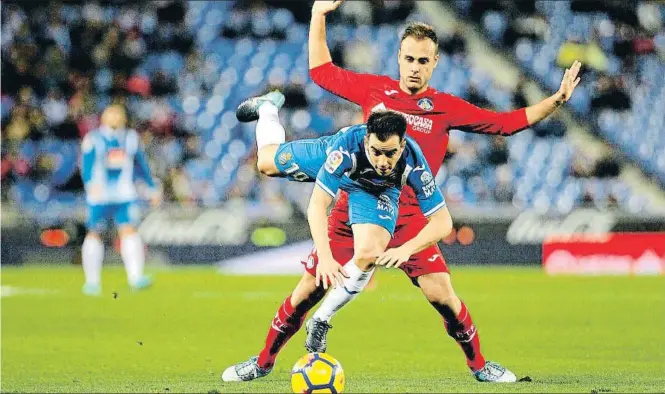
column 93, row 255
column 285, row 324
column 131, row 249
column 268, row 129
column 462, row 330
column 341, row 296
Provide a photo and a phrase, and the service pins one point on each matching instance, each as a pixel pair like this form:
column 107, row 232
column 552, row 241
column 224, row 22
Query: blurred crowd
column 622, row 47
column 62, row 63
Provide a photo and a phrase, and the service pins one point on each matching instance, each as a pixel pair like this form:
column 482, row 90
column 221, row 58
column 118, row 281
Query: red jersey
column 430, row 115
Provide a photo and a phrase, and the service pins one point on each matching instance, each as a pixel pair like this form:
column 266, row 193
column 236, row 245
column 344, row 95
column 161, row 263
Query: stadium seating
column 637, row 132
column 230, row 69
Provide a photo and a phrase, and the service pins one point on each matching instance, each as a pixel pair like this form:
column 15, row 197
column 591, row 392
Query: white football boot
column 494, row 373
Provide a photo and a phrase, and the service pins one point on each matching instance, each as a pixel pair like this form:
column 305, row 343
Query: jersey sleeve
column 347, row 84
column 422, row 182
column 467, row 117
column 87, row 158
column 141, row 167
column 330, row 175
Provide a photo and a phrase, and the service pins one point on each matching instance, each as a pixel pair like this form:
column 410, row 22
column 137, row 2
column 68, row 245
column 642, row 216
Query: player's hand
column 323, row 7
column 570, row 81
column 394, row 257
column 329, row 270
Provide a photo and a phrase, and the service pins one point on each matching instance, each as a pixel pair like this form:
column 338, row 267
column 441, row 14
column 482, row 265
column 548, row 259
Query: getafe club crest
column 426, row 104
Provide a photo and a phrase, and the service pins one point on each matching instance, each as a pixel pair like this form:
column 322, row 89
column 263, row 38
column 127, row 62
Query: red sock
column 464, row 332
column 285, row 324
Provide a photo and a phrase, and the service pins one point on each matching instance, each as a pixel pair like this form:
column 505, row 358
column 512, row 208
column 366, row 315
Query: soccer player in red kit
column 430, row 115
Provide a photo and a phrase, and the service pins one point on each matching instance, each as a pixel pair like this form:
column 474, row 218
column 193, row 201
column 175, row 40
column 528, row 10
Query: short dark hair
column 385, row 124
column 420, row 31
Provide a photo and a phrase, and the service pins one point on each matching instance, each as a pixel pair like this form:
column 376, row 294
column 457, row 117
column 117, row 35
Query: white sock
column 268, row 129
column 93, row 255
column 131, row 249
column 340, row 296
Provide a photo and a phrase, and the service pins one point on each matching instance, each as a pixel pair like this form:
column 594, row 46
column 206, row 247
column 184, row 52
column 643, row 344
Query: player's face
column 114, row 117
column 417, row 59
column 384, row 154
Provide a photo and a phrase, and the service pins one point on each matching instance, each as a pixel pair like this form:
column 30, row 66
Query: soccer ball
column 317, row 373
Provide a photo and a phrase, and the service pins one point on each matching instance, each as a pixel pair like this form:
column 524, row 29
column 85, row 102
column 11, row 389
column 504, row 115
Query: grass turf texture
column 569, row 334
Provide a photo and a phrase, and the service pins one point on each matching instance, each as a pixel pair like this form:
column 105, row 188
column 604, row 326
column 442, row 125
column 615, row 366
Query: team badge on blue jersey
column 426, row 104
column 334, row 160
column 426, row 177
column 284, row 158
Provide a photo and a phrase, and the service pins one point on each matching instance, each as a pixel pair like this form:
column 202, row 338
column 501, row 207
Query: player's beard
column 414, row 85
column 390, row 170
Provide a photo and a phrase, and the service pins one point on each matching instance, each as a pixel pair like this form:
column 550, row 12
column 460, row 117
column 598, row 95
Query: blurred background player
column 112, row 160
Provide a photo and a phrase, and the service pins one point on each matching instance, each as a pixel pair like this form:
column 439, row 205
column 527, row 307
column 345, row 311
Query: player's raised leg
column 270, row 133
column 298, row 160
column 285, row 324
column 438, row 290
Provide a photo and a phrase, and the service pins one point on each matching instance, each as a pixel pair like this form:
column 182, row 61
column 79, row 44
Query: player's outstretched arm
column 327, row 269
column 545, row 108
column 467, row 117
column 319, row 53
column 338, row 81
column 439, row 226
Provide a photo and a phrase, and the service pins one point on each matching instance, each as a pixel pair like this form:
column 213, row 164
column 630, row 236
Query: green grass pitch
column 569, row 334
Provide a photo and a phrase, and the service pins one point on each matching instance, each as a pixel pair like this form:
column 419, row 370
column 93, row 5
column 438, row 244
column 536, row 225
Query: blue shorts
column 122, row 214
column 369, row 208
column 301, row 160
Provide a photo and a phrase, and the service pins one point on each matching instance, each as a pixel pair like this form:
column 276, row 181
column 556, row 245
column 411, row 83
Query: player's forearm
column 317, row 216
column 537, row 112
column 86, row 166
column 143, row 169
column 318, row 47
column 439, row 226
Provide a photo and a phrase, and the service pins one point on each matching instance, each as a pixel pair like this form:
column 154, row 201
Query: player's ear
column 436, row 59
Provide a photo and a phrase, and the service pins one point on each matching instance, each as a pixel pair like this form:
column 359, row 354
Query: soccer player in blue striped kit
column 371, row 162
column 112, row 159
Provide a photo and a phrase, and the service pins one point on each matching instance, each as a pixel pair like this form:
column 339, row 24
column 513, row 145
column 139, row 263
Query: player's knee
column 304, row 290
column 93, row 235
column 265, row 162
column 366, row 255
column 126, row 231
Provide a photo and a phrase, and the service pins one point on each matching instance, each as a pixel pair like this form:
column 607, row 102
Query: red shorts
column 426, row 261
